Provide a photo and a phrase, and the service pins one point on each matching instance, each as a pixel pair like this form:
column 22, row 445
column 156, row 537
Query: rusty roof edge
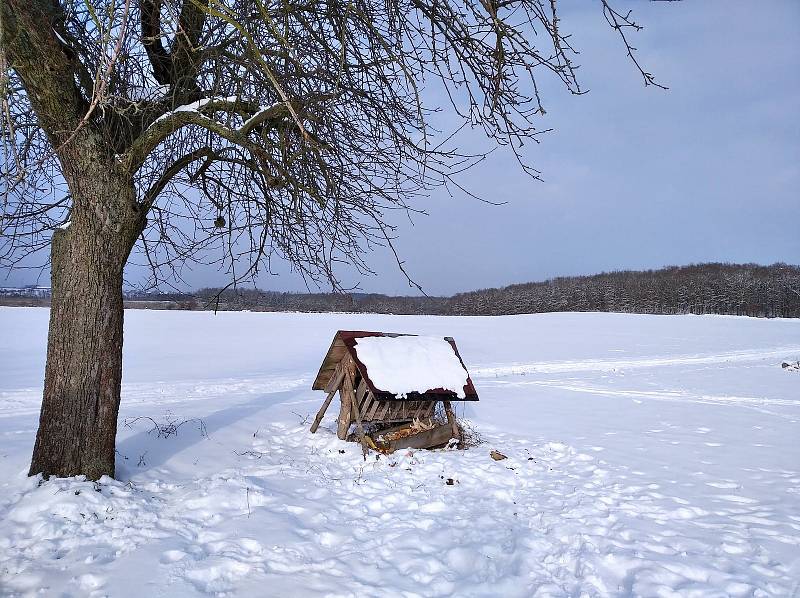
column 469, row 386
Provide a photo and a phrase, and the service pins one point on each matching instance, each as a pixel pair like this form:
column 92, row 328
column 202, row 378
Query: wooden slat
column 363, row 396
column 431, row 408
column 365, row 407
column 336, row 379
column 348, row 384
column 399, row 410
column 375, row 405
column 361, row 391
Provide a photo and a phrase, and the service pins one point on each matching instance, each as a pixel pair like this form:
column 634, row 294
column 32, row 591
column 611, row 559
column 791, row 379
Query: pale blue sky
column 638, row 177
column 634, row 177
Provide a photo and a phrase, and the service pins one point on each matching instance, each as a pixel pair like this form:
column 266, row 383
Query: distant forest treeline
column 735, row 289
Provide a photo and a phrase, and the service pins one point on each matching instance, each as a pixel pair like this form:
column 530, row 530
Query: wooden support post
column 357, row 416
column 346, row 395
column 451, row 418
column 344, row 415
column 322, row 410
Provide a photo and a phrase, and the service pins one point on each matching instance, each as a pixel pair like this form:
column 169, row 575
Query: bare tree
column 265, row 128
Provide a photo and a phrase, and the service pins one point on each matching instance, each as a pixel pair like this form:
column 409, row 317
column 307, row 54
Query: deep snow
column 648, row 455
column 405, row 364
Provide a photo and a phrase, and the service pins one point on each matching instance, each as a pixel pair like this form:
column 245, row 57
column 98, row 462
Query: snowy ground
column 648, row 455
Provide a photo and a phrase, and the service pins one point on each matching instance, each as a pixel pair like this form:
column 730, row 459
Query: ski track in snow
column 666, row 395
column 258, row 506
column 610, row 365
column 26, row 400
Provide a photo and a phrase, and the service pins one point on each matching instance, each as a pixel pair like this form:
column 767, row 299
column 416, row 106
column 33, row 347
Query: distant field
column 648, row 455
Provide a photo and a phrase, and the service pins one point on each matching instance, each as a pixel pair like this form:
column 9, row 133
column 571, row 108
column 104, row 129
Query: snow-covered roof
column 398, row 366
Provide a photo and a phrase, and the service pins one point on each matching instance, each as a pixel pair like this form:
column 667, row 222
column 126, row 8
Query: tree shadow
column 146, row 450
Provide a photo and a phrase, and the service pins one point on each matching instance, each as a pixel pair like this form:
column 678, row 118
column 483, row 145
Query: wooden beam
column 345, row 413
column 345, row 397
column 451, row 419
column 348, row 396
column 357, row 415
column 437, row 436
column 336, row 379
column 322, row 410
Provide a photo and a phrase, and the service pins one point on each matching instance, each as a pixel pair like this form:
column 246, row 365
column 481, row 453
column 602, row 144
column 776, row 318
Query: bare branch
column 304, row 127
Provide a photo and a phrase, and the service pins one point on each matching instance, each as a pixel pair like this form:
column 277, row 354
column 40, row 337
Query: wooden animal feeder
column 396, row 388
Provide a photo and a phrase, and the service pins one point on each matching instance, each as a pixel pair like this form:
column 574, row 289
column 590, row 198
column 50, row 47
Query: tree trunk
column 78, row 421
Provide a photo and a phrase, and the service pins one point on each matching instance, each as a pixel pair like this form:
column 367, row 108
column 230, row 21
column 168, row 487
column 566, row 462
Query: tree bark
column 78, row 421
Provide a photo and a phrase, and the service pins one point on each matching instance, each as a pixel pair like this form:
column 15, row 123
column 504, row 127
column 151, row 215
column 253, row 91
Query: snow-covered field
column 648, row 456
